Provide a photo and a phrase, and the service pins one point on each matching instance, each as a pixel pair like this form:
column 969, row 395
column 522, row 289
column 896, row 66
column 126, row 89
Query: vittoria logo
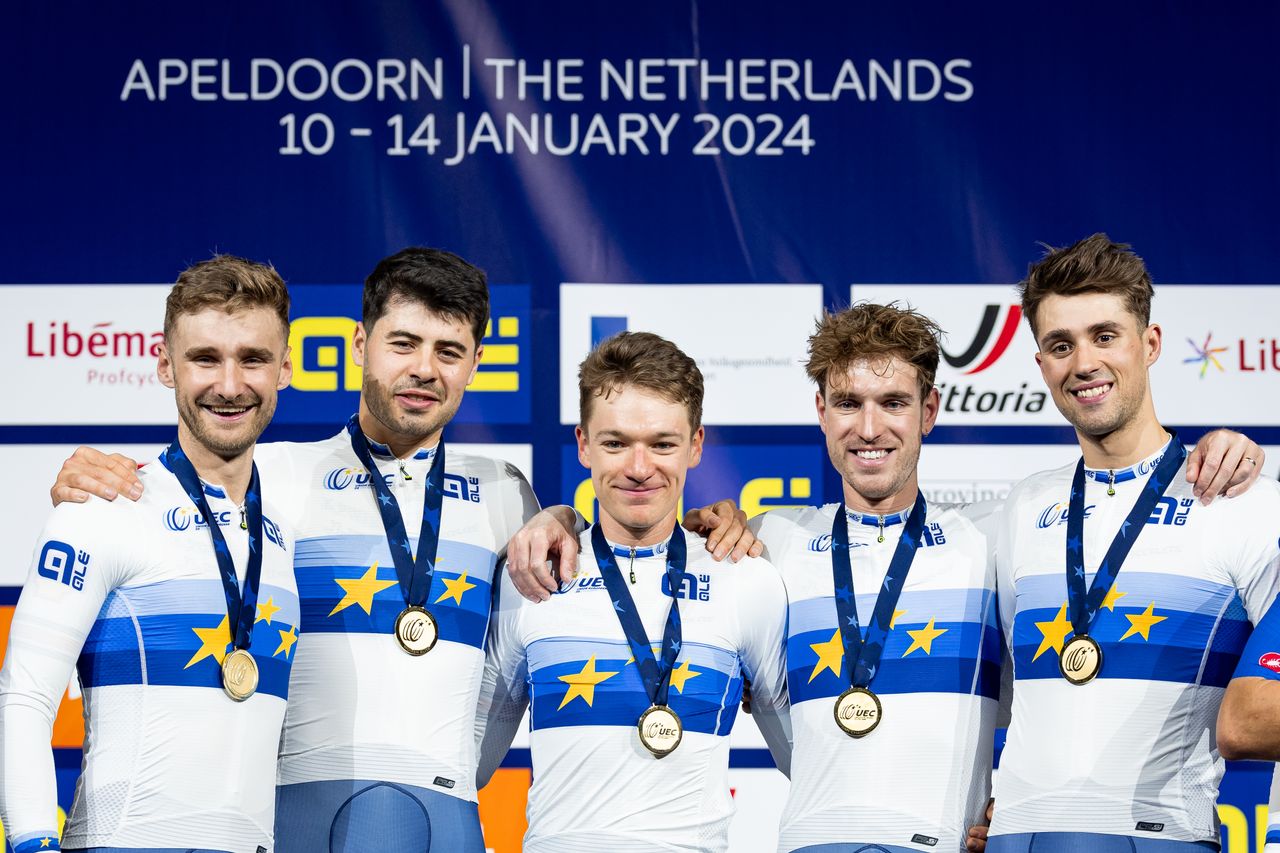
column 987, row 328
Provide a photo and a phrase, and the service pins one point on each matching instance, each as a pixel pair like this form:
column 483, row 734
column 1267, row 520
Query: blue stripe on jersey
column 1273, row 836
column 176, row 597
column 706, row 700
column 168, row 650
column 1159, row 627
column 44, row 839
column 960, row 653
column 357, row 549
column 335, row 598
column 1261, row 655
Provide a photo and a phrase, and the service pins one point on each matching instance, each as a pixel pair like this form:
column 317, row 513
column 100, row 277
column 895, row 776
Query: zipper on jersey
column 403, row 473
column 880, row 538
column 1111, row 483
column 633, row 566
column 244, row 524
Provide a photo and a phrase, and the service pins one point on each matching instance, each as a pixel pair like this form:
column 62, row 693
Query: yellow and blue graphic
column 1151, row 626
column 758, row 477
column 326, row 379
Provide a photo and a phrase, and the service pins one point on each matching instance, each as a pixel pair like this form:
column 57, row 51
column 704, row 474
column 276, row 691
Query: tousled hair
column 640, row 360
column 441, row 281
column 1093, row 265
column 871, row 331
column 227, row 283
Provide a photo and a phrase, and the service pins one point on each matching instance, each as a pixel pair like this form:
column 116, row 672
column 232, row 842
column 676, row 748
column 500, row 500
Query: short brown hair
column 1094, row 265
column 643, row 360
column 872, row 331
column 227, row 283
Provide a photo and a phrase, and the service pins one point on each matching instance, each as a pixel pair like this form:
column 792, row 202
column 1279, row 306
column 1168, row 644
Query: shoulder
column 1259, row 507
column 784, row 520
column 485, row 469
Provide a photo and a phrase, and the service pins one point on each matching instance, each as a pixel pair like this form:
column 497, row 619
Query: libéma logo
column 1248, row 356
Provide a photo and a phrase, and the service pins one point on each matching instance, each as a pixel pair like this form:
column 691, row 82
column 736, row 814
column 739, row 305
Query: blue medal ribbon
column 242, row 609
column 414, row 571
column 656, row 676
column 863, row 655
column 1084, row 606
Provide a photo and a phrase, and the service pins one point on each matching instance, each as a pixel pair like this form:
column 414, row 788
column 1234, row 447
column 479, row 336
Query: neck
column 637, row 537
column 897, row 502
column 231, row 474
column 400, row 444
column 1125, row 446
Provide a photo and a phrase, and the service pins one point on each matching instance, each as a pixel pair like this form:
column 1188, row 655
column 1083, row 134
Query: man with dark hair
column 1125, row 619
column 635, row 669
column 178, row 610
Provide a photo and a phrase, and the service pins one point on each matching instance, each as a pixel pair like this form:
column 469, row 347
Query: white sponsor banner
column 988, row 373
column 82, row 354
column 1220, row 363
column 748, row 339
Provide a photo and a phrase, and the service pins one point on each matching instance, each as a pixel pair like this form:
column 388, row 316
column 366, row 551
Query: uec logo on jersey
column 343, row 478
column 1057, row 514
column 179, row 518
column 61, row 562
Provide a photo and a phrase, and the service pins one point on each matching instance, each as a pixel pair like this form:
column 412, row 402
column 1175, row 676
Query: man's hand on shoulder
column 725, row 527
column 550, row 533
column 1223, row 462
column 92, row 472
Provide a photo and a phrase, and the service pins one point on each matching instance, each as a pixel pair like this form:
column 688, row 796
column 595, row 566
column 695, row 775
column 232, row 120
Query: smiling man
column 635, row 669
column 1125, row 618
column 893, row 654
column 174, row 609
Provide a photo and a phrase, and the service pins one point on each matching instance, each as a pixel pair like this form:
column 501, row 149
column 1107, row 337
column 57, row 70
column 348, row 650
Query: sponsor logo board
column 749, row 341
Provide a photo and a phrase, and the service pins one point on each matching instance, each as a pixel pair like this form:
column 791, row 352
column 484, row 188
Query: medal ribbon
column 242, row 610
column 1084, row 607
column 862, row 655
column 656, row 676
column 413, row 571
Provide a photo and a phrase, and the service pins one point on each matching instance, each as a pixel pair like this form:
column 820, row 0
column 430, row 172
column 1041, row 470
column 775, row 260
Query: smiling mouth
column 871, row 454
column 1093, row 392
column 226, row 413
column 417, row 400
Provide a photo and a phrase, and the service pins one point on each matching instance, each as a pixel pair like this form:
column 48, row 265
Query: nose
column 639, row 466
column 424, row 367
column 230, row 382
column 1084, row 360
column 867, row 423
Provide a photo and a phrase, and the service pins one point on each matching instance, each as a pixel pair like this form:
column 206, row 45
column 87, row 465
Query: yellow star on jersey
column 213, row 643
column 584, row 683
column 830, row 656
column 45, row 842
column 455, row 588
column 681, row 674
column 361, row 590
column 923, row 638
column 1055, row 632
column 287, row 639
column 894, row 619
column 266, row 611
column 1142, row 622
column 1113, row 595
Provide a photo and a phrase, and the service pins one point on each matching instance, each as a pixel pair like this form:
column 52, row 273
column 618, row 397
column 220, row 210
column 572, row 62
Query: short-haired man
column 180, row 611
column 1126, row 617
column 635, row 669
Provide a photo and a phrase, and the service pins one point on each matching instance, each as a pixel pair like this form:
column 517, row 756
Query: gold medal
column 858, row 712
column 239, row 675
column 660, row 730
column 416, row 630
column 1081, row 659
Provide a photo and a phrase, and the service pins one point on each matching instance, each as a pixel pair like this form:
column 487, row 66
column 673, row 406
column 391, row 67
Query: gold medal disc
column 1081, row 659
column 416, row 630
column 660, row 730
column 858, row 712
column 239, row 675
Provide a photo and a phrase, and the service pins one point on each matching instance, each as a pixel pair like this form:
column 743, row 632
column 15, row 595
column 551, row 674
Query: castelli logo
column 1271, row 661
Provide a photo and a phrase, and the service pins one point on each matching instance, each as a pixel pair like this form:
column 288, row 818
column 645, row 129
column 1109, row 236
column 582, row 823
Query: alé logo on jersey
column 692, row 587
column 63, row 563
column 183, row 518
column 455, row 485
column 1168, row 510
column 932, row 535
column 997, row 328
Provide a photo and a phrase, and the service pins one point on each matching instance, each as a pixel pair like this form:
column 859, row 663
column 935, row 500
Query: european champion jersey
column 921, row 778
column 595, row 787
column 130, row 595
column 1261, row 659
column 360, row 707
column 1132, row 752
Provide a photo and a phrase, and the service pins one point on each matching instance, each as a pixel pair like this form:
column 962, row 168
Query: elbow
column 1238, row 741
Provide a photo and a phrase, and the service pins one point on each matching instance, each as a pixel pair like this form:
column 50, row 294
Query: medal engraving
column 239, row 675
column 1081, row 659
column 660, row 730
column 416, row 630
column 857, row 712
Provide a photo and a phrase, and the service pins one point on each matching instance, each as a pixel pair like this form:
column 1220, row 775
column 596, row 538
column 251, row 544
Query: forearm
column 28, row 785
